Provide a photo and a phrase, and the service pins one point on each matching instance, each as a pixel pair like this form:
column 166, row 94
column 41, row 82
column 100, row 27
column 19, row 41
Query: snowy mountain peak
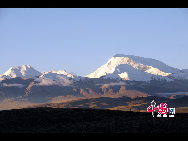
column 55, row 78
column 24, row 71
column 54, row 73
column 131, row 67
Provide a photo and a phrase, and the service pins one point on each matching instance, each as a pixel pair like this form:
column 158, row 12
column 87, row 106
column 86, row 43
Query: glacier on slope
column 131, row 67
column 151, row 62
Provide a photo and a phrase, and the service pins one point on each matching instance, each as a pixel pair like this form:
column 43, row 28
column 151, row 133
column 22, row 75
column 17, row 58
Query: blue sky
column 81, row 40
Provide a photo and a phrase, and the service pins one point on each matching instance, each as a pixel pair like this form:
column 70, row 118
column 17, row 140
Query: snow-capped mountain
column 127, row 67
column 24, row 71
column 55, row 74
column 131, row 67
column 44, row 78
column 55, row 77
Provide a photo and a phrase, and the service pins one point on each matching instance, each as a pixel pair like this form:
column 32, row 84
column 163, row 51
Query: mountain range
column 125, row 82
column 122, row 76
column 126, row 67
column 44, row 78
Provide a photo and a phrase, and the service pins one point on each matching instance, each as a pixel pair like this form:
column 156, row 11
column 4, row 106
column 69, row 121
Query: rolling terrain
column 138, row 104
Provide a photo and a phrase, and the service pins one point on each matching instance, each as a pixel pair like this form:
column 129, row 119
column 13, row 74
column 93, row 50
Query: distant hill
column 124, row 103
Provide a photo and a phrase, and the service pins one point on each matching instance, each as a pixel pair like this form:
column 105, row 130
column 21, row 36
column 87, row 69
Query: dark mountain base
column 56, row 120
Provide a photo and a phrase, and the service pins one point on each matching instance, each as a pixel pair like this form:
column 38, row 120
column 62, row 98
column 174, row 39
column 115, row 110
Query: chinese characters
column 162, row 110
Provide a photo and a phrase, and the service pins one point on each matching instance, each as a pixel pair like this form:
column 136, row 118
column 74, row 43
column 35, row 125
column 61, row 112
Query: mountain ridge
column 130, row 67
column 127, row 67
